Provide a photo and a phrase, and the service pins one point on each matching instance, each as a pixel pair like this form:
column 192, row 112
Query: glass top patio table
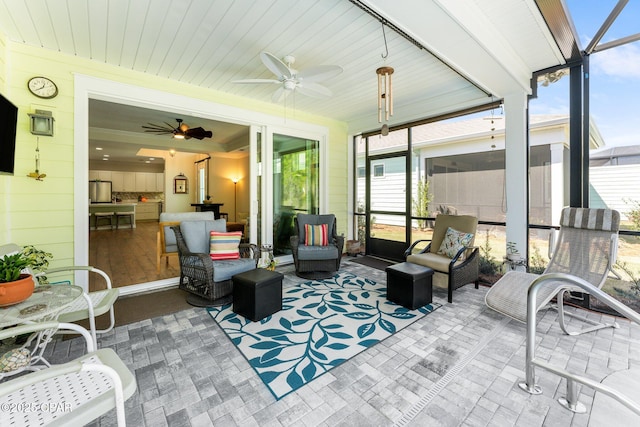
column 45, row 304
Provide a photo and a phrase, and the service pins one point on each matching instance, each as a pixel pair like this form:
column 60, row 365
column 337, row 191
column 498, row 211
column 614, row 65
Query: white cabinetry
column 148, row 182
column 129, row 181
column 160, row 182
column 147, row 211
column 117, row 181
column 99, row 175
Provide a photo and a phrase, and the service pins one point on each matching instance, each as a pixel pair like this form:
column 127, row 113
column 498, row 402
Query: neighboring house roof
column 477, row 127
column 624, row 155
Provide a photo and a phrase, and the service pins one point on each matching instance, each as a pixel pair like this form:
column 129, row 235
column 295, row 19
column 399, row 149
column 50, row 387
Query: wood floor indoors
column 128, row 256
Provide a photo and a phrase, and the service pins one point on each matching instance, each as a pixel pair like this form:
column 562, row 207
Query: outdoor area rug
column 322, row 324
column 372, row 262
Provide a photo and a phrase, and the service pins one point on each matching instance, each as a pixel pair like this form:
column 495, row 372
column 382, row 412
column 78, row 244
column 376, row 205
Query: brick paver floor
column 457, row 366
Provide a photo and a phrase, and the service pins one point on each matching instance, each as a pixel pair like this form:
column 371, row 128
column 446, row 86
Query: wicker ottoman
column 409, row 285
column 257, row 293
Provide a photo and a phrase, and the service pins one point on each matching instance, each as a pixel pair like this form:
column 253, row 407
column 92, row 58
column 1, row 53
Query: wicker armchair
column 208, row 282
column 316, row 262
column 461, row 269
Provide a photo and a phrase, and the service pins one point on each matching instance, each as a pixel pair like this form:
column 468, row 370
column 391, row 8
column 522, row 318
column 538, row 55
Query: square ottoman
column 257, row 293
column 409, row 284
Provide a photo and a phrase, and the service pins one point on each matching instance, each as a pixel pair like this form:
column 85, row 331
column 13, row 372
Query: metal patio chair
column 586, row 249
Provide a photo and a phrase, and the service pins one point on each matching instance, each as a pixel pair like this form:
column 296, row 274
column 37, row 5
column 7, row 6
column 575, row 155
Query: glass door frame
column 261, row 170
column 389, row 249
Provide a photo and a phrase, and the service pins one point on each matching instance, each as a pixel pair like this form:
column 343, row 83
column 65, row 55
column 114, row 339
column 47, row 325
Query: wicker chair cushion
column 435, row 261
column 314, row 220
column 225, row 269
column 224, row 245
column 169, row 238
column 309, row 253
column 316, row 235
column 464, row 223
column 453, row 241
column 197, row 233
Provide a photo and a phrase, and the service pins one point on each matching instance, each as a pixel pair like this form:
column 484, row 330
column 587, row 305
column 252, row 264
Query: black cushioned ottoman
column 409, row 284
column 257, row 293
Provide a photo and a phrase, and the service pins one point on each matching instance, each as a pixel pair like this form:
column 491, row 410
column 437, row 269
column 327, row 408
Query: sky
column 614, row 77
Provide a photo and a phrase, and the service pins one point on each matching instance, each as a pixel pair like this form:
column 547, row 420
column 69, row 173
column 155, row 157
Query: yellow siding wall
column 4, row 183
column 41, row 212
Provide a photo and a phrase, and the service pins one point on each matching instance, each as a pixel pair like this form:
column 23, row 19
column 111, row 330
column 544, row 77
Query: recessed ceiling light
column 147, row 161
column 105, row 158
column 98, row 148
column 105, row 155
column 151, row 158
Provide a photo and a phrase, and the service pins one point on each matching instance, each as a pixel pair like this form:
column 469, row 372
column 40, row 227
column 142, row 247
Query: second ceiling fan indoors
column 291, row 80
column 182, row 131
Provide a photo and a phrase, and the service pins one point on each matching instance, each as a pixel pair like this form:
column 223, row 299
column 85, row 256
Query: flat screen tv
column 8, row 122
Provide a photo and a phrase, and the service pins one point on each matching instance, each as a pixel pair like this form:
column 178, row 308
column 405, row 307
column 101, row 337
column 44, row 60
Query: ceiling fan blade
column 157, row 129
column 198, row 133
column 313, row 90
column 275, row 65
column 279, row 94
column 259, row 81
column 154, row 126
column 319, row 73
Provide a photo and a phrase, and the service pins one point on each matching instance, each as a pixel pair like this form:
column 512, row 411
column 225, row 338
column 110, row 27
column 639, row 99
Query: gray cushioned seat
column 317, row 252
column 225, row 269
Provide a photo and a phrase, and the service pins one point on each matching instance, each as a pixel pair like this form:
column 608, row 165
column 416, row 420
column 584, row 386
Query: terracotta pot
column 16, row 291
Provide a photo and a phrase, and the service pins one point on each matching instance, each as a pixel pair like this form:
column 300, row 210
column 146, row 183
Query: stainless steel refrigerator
column 100, row 191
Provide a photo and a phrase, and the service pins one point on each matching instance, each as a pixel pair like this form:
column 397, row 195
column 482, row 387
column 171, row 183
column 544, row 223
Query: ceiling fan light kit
column 291, row 80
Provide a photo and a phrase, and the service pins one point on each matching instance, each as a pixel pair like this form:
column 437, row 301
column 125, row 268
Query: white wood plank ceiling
column 210, row 43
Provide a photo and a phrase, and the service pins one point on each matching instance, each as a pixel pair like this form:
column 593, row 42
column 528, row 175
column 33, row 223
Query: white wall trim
column 89, row 87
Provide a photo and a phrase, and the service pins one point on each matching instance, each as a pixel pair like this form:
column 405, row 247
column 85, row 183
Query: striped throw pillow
column 316, row 235
column 224, row 245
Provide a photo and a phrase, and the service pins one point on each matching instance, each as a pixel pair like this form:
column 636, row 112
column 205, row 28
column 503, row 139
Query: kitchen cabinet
column 129, row 181
column 117, row 181
column 148, row 182
column 99, row 175
column 160, row 182
column 147, row 211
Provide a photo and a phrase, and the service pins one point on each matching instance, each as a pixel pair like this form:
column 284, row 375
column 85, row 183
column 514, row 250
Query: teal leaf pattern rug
column 322, row 324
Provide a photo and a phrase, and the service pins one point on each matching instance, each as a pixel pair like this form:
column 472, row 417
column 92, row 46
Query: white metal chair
column 94, row 304
column 586, row 249
column 73, row 393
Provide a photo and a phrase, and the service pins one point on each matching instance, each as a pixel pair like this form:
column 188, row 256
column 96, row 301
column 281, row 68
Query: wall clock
column 42, row 87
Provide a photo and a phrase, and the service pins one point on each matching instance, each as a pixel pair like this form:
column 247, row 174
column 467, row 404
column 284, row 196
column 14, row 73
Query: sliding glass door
column 295, row 186
column 286, row 181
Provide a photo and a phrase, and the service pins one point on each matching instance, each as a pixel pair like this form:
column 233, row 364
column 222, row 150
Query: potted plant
column 512, row 252
column 16, row 286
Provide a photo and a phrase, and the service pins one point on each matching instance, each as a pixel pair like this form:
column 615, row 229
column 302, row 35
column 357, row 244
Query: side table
column 257, row 293
column 45, row 304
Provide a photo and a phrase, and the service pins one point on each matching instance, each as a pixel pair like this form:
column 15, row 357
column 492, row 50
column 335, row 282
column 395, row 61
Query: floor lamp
column 235, row 199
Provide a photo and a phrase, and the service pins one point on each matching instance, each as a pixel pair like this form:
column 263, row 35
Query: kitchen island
column 110, row 207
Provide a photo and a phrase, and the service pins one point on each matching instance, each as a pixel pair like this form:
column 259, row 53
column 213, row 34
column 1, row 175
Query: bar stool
column 124, row 215
column 224, row 215
column 104, row 216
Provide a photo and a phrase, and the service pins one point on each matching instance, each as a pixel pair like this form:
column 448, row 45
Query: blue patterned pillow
column 453, row 241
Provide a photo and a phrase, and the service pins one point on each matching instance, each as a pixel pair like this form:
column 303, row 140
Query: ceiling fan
column 182, row 131
column 290, row 80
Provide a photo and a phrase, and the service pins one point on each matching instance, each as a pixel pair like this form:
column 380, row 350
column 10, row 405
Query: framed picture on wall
column 180, row 185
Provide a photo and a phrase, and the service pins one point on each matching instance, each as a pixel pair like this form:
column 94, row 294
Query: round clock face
column 42, row 87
